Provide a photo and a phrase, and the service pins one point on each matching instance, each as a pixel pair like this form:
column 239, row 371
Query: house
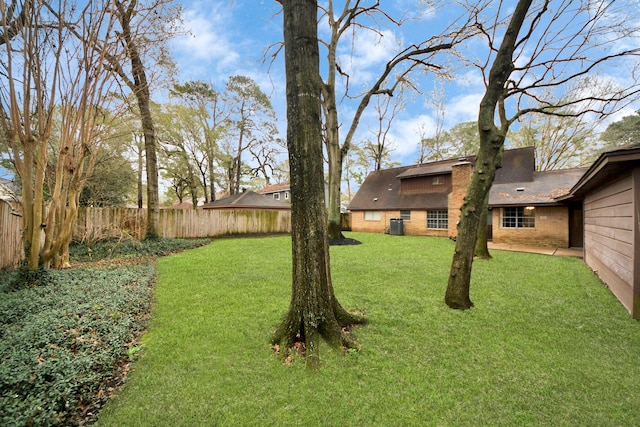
column 610, row 193
column 248, row 200
column 282, row 192
column 277, row 192
column 526, row 206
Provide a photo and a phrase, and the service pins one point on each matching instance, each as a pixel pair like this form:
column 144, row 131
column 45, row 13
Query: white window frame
column 405, row 215
column 372, row 215
column 518, row 217
column 441, row 220
column 276, row 196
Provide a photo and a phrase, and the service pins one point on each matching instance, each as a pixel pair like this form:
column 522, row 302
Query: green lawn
column 546, row 344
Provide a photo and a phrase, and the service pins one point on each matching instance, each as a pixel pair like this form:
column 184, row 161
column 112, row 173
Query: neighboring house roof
column 247, row 200
column 606, row 168
column 546, row 188
column 275, row 188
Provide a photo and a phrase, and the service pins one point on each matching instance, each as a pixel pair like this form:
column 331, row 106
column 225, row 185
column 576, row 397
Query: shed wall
column 609, row 237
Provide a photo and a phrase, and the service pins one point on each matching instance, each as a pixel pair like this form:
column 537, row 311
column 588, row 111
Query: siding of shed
column 609, row 237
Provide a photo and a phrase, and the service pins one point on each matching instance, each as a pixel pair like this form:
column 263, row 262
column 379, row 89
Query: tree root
column 303, row 340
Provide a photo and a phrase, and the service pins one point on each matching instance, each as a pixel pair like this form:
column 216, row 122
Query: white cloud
column 471, row 79
column 407, row 133
column 206, row 45
column 362, row 56
column 463, row 108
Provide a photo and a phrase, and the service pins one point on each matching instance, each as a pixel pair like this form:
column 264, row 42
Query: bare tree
column 421, row 56
column 379, row 149
column 561, row 140
column 51, row 79
column 266, row 161
column 434, row 147
column 314, row 312
column 545, row 46
column 128, row 13
column 138, row 37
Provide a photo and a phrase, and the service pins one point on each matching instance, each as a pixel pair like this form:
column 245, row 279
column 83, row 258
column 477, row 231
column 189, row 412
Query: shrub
column 130, row 248
column 24, row 278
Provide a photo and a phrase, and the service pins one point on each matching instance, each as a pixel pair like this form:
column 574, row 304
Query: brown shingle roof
column 247, row 200
column 426, row 169
column 544, row 189
column 381, row 189
column 274, row 188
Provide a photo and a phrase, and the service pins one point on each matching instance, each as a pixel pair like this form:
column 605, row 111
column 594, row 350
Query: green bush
column 60, row 341
column 24, row 278
column 130, row 248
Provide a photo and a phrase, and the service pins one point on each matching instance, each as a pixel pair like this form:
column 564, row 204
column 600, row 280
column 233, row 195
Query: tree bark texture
column 143, row 97
column 314, row 312
column 482, row 249
column 489, row 155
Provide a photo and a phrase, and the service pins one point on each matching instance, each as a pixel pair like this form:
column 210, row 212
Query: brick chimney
column 460, row 179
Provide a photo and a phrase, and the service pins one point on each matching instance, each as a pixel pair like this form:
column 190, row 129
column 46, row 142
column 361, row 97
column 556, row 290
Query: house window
column 286, row 195
column 437, row 180
column 405, row 215
column 438, row 219
column 519, row 217
column 276, row 196
column 372, row 215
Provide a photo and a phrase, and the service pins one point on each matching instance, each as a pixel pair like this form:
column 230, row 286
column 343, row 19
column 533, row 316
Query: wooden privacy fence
column 101, row 223
column 11, row 234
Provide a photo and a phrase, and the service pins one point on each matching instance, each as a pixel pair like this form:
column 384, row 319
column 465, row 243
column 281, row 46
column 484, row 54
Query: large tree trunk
column 335, row 157
column 314, row 312
column 143, row 97
column 140, row 164
column 482, row 249
column 335, row 152
column 491, row 145
column 334, row 195
column 153, row 199
column 238, row 162
column 212, row 176
column 32, row 201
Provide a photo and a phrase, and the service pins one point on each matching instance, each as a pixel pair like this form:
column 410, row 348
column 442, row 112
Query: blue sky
column 228, row 38
column 231, row 37
column 225, row 38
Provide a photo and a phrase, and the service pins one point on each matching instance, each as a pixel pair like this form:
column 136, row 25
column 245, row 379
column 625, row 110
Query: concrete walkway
column 574, row 252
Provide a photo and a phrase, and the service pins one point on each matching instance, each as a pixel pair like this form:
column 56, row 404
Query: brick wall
column 358, row 222
column 461, row 176
column 551, row 229
column 416, row 226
